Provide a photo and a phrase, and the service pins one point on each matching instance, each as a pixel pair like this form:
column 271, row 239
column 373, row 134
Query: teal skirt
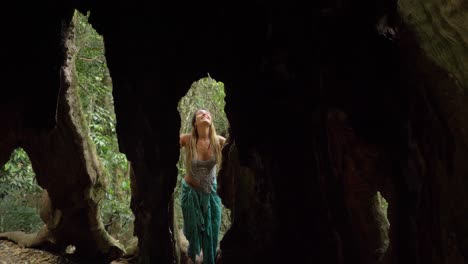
column 202, row 220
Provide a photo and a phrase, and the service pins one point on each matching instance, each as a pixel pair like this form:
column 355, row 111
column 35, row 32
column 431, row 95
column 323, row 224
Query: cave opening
column 208, row 94
column 19, row 195
column 97, row 103
column 404, row 95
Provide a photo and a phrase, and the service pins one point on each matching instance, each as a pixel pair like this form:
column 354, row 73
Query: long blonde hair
column 191, row 149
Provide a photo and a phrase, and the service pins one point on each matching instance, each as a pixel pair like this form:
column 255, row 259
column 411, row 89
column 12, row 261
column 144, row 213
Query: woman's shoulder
column 222, row 140
column 184, row 138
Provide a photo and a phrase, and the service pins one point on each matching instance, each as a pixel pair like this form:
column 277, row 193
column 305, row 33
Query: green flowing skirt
column 202, row 220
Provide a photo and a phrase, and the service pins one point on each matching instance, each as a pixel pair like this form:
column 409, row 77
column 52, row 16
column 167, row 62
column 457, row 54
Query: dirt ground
column 10, row 253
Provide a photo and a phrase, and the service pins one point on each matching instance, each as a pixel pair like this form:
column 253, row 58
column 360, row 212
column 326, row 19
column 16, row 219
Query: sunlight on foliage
column 18, row 190
column 206, row 93
column 383, row 203
column 95, row 91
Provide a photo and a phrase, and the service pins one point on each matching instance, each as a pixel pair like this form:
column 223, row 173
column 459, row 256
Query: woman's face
column 202, row 116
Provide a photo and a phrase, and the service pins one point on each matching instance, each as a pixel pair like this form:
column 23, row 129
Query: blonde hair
column 191, row 148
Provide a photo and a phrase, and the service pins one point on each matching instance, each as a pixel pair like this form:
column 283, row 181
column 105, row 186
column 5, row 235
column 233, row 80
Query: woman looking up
column 201, row 205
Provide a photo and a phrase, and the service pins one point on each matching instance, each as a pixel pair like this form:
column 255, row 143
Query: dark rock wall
column 301, row 180
column 43, row 116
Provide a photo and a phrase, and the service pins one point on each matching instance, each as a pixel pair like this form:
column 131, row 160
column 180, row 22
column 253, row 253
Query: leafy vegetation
column 206, row 93
column 19, row 194
column 17, row 175
column 19, row 191
column 95, row 91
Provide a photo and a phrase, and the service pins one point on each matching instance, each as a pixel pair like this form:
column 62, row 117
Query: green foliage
column 18, row 188
column 19, row 191
column 17, row 213
column 19, row 194
column 17, row 175
column 383, row 203
column 206, row 93
column 95, row 91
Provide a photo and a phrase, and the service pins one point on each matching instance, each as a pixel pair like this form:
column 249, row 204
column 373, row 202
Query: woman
column 201, row 205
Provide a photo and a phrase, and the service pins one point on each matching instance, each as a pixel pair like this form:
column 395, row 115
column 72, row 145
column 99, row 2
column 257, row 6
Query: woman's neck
column 203, row 132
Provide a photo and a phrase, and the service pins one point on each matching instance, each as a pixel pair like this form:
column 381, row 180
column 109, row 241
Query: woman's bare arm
column 222, row 140
column 184, row 138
